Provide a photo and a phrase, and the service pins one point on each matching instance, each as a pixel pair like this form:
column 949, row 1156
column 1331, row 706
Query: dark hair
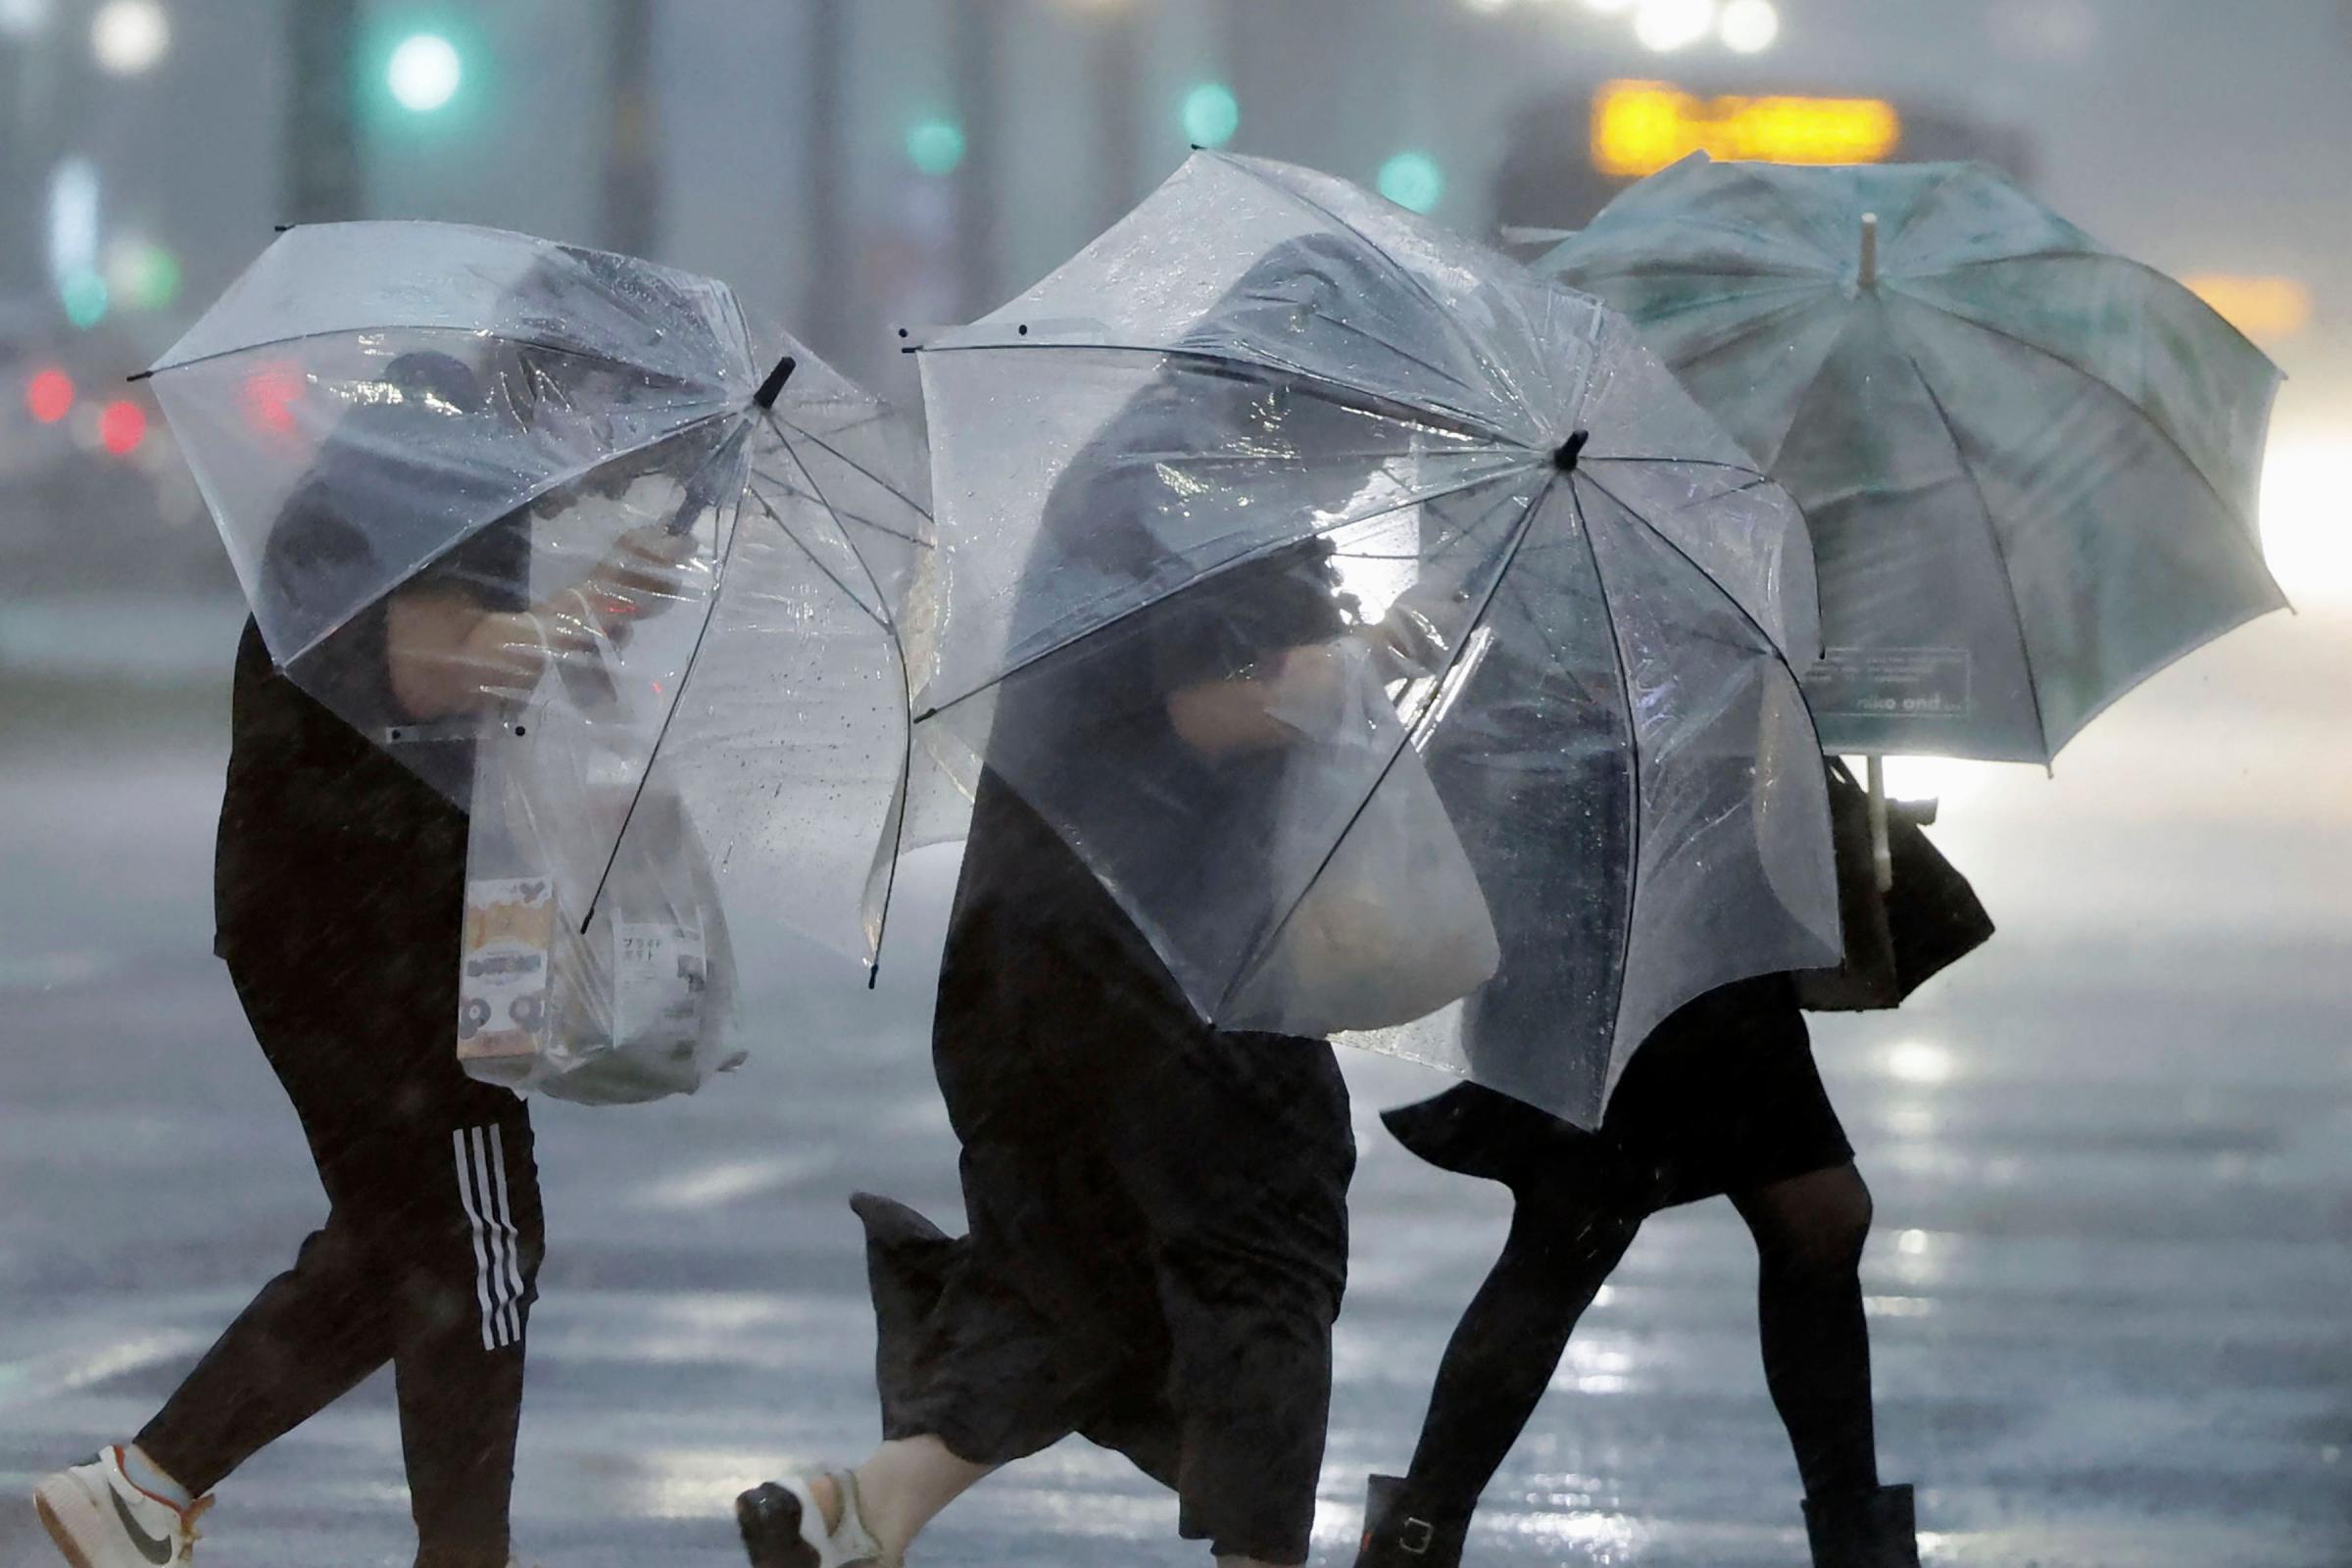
column 429, row 372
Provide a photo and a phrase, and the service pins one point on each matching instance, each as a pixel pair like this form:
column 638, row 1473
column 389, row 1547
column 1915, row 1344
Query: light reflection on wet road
column 2111, row 1157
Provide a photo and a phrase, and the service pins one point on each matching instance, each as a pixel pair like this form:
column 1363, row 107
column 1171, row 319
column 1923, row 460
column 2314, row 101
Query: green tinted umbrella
column 2030, row 464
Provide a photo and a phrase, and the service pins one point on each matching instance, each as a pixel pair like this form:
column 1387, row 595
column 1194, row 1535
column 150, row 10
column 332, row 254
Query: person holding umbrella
column 1220, row 807
column 341, row 885
column 1158, row 1222
column 1723, row 1099
column 2029, row 466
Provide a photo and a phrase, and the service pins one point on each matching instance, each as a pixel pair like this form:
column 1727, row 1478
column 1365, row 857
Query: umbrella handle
column 1868, row 276
column 1882, row 854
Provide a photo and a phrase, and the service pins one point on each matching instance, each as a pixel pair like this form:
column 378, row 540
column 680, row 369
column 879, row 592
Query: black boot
column 1863, row 1530
column 1406, row 1529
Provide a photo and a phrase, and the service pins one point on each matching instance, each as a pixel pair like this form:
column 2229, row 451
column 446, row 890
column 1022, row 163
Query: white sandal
column 783, row 1527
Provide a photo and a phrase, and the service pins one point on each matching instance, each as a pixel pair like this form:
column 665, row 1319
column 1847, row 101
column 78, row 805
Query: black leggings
column 427, row 1259
column 1563, row 1244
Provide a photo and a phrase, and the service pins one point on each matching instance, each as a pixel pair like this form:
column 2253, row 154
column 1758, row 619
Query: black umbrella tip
column 773, row 388
column 1564, row 458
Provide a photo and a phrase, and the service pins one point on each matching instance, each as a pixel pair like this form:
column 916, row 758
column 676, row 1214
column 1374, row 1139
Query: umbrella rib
column 1396, row 349
column 1804, row 394
column 1235, row 367
column 552, row 485
column 1992, row 533
column 1503, row 572
column 2162, row 664
column 1754, row 481
column 1412, row 278
column 1194, row 581
column 1772, row 643
column 855, row 467
column 2109, row 258
column 1633, row 752
column 1764, row 320
column 830, row 576
column 859, row 518
column 885, row 620
column 1749, row 469
column 290, row 338
column 1811, row 272
column 898, row 648
column 1924, row 200
column 1768, row 283
column 653, row 753
column 742, row 324
column 2098, row 382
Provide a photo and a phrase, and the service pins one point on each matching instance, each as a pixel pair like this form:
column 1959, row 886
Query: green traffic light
column 934, row 146
column 84, row 296
column 1413, row 182
column 423, row 73
column 1211, row 115
column 147, row 277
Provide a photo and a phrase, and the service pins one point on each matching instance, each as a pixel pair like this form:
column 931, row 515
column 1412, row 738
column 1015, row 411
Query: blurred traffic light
column 1413, row 182
column 425, row 71
column 22, row 18
column 121, row 426
column 935, row 145
column 1211, row 115
column 49, row 395
column 84, row 293
column 130, row 37
column 268, row 396
column 143, row 276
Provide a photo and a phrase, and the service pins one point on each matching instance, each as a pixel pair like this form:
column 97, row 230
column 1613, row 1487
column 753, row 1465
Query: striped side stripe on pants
column 498, row 1271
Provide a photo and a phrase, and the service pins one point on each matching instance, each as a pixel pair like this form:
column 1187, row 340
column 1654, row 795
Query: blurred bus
column 1569, row 152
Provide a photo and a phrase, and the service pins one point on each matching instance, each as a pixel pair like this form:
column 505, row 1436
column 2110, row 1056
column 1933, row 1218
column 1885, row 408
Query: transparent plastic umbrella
column 678, row 561
column 1277, row 508
column 2029, row 463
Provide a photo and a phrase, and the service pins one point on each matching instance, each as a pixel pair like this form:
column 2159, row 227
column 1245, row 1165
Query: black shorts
column 1724, row 1097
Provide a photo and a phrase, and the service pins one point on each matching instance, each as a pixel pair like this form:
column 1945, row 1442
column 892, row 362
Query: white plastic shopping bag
column 1394, row 924
column 603, row 985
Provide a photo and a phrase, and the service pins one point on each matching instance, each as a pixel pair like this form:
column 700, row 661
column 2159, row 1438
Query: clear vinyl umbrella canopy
column 2030, row 464
column 708, row 542
column 1272, row 442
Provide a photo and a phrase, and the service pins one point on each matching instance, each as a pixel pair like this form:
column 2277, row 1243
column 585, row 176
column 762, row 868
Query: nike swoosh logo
column 155, row 1552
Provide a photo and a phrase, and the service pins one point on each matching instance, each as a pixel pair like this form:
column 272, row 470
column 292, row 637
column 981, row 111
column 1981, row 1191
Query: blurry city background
column 2113, row 1153
column 852, row 166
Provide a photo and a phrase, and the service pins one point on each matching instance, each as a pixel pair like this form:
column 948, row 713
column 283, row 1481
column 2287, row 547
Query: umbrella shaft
column 1882, row 854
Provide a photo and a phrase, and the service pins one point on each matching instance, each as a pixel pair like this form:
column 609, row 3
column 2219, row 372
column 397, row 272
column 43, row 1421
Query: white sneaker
column 783, row 1527
column 99, row 1518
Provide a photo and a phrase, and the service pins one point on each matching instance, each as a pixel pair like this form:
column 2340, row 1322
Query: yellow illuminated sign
column 2264, row 308
column 1640, row 127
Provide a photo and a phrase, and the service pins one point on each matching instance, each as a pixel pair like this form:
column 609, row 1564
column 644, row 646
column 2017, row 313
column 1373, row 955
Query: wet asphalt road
column 2112, row 1156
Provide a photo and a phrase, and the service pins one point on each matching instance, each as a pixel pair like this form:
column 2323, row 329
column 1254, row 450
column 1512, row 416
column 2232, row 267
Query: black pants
column 427, row 1259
